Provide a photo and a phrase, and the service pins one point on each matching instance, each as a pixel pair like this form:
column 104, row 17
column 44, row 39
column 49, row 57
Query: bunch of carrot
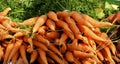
column 61, row 37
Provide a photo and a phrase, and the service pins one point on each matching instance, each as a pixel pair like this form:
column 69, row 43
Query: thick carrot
column 90, row 33
column 33, row 56
column 55, row 57
column 82, row 55
column 52, row 15
column 5, row 12
column 42, row 54
column 51, row 24
column 40, row 45
column 23, row 53
column 40, row 21
column 1, row 53
column 80, row 21
column 16, row 46
column 30, row 21
column 20, row 61
column 94, row 22
column 66, row 28
column 52, row 35
column 69, row 56
column 14, row 58
column 62, row 15
column 7, row 52
column 42, row 39
column 54, row 49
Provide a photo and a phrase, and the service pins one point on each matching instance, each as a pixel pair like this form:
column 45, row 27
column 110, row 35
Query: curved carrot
column 42, row 54
column 40, row 21
column 51, row 24
column 7, row 52
column 15, row 49
column 52, row 15
column 33, row 56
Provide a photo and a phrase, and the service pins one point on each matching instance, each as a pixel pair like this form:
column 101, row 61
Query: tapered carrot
column 42, row 30
column 29, row 22
column 42, row 39
column 15, row 49
column 55, row 57
column 82, row 55
column 18, row 34
column 40, row 21
column 100, row 56
column 23, row 53
column 40, row 45
column 52, row 35
column 14, row 58
column 52, row 15
column 33, row 56
column 20, row 61
column 50, row 60
column 54, row 49
column 5, row 12
column 116, row 58
column 94, row 22
column 92, row 43
column 66, row 28
column 69, row 56
column 7, row 52
column 30, row 41
column 43, row 57
column 51, row 24
column 80, row 21
column 63, row 38
column 1, row 53
column 90, row 33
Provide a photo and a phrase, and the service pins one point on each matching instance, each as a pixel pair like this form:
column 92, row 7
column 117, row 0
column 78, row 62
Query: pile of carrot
column 55, row 38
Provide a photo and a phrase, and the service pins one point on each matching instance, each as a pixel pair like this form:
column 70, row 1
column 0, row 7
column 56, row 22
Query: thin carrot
column 40, row 21
column 90, row 33
column 7, row 52
column 42, row 39
column 51, row 24
column 16, row 46
column 1, row 53
column 54, row 49
column 92, row 43
column 63, row 38
column 33, row 56
column 5, row 12
column 23, row 53
column 69, row 56
column 100, row 56
column 14, row 58
column 54, row 57
column 43, row 57
column 40, row 45
column 52, row 35
column 30, row 41
column 52, row 15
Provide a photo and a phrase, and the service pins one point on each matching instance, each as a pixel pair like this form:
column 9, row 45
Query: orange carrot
column 5, row 12
column 42, row 54
column 80, row 21
column 63, row 48
column 15, row 49
column 14, row 58
column 90, row 33
column 42, row 39
column 33, row 56
column 1, row 26
column 23, row 53
column 73, row 45
column 52, row 35
column 30, row 41
column 40, row 61
column 51, row 24
column 92, row 43
column 82, row 55
column 30, row 21
column 54, row 57
column 18, row 34
column 42, row 30
column 54, row 49
column 94, row 22
column 40, row 45
column 69, row 56
column 63, row 38
column 1, row 53
column 100, row 56
column 20, row 61
column 52, row 15
column 62, row 15
column 51, row 61
column 40, row 21
column 116, row 59
column 7, row 52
